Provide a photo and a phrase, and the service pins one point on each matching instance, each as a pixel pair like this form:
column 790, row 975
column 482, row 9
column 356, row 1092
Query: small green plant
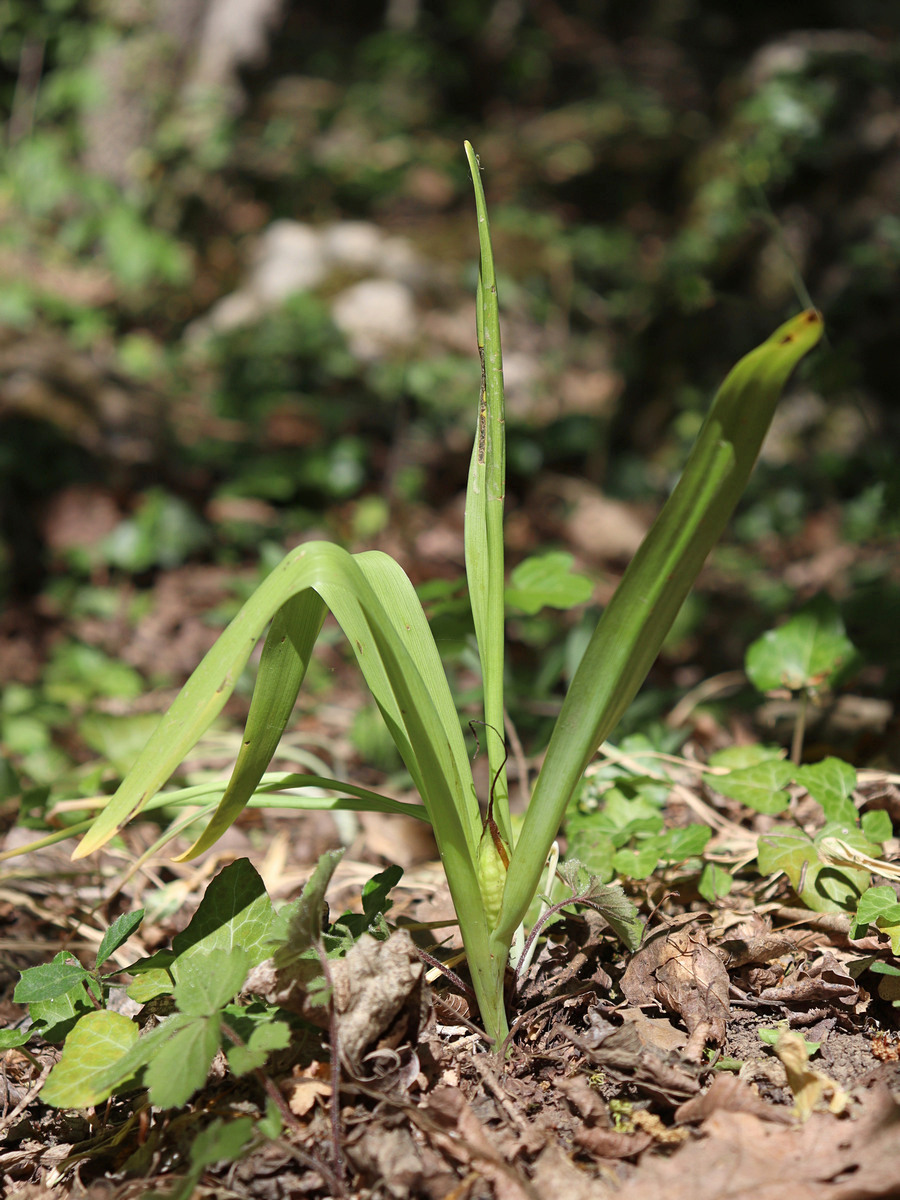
column 192, row 985
column 493, row 876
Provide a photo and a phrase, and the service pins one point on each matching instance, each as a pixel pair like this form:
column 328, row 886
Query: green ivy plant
column 492, row 874
column 191, row 986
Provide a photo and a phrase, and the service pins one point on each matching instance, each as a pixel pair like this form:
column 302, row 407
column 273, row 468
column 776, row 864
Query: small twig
column 30, row 1095
column 446, row 972
column 335, row 1106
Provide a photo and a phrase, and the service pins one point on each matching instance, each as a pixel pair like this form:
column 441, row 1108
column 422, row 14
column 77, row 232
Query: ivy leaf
column 274, row 1035
column 759, row 787
column 547, row 581
column 879, row 905
column 98, row 1042
column 180, row 1065
column 640, row 862
column 877, row 825
column 235, row 913
column 831, row 783
column 593, row 848
column 117, row 934
column 680, row 844
column 747, row 755
column 715, row 883
column 821, row 886
column 51, row 980
column 807, row 652
column 206, row 981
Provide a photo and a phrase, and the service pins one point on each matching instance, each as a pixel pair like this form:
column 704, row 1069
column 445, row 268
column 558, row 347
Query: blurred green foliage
column 669, row 179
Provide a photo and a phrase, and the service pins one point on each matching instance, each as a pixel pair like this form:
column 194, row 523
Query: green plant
column 193, row 986
column 493, row 877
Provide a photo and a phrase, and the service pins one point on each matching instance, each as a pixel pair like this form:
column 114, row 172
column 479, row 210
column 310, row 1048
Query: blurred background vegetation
column 237, row 256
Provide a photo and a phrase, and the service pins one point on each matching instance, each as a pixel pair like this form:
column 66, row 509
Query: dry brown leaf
column 677, row 969
column 377, row 986
column 742, row 1157
column 306, row 1086
column 810, row 1088
column 729, row 1093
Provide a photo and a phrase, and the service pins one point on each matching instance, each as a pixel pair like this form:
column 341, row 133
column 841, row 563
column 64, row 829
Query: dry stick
column 446, row 972
column 335, row 1105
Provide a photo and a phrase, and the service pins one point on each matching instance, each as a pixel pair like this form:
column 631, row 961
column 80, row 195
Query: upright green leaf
column 484, row 504
column 641, row 612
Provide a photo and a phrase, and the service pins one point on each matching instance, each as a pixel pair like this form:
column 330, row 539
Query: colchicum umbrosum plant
column 493, row 875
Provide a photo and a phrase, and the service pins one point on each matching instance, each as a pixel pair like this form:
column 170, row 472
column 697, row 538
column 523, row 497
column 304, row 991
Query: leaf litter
column 627, row 1076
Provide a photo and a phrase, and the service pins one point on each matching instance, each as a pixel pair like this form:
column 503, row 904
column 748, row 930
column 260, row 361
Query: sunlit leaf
column 831, row 783
column 235, row 913
column 547, row 581
column 118, row 934
column 759, row 787
column 806, row 652
column 97, row 1043
column 51, row 980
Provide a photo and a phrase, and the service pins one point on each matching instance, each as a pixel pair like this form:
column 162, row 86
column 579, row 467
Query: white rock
column 356, row 245
column 290, row 258
column 231, row 312
column 376, row 316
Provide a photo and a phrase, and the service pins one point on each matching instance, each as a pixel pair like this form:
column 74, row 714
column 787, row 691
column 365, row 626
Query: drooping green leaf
column 118, row 934
column 639, row 616
column 759, row 787
column 96, row 1044
column 547, row 581
column 51, row 980
column 807, row 651
column 611, row 902
column 235, row 913
column 831, row 783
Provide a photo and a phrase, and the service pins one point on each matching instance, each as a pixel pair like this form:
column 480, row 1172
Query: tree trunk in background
column 168, row 55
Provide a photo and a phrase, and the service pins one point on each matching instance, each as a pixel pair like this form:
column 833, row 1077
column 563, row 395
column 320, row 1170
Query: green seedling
column 492, row 875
